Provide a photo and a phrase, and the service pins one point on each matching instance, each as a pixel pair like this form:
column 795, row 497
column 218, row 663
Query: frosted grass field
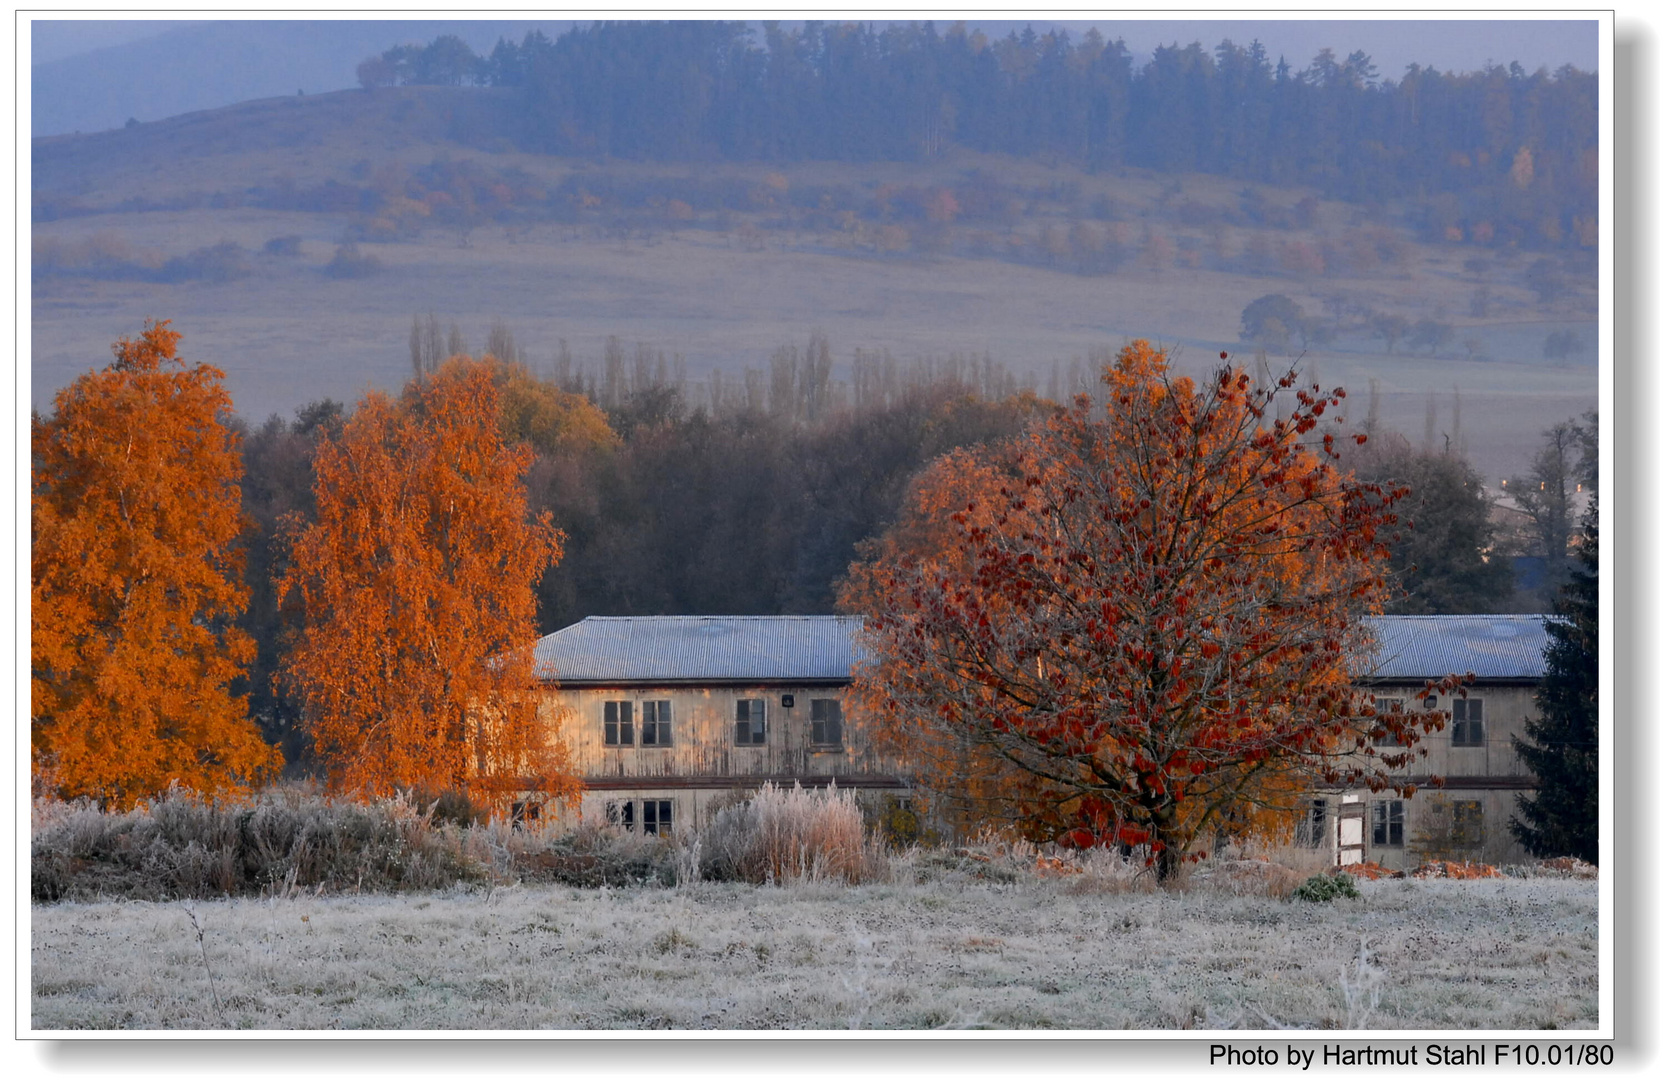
column 1064, row 953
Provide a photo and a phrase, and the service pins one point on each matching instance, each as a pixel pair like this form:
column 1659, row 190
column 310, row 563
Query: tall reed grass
column 791, row 834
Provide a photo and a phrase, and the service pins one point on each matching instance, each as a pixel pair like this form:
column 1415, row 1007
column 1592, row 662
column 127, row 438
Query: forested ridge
column 1513, row 149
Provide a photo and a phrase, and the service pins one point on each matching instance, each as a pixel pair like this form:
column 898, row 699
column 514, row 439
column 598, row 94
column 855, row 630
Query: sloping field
column 1498, row 954
column 289, row 334
column 723, row 289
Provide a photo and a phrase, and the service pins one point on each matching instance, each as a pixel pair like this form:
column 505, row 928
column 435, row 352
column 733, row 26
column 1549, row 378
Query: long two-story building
column 665, row 715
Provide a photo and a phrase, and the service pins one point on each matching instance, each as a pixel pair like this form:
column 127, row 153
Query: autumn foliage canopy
column 135, row 583
column 1140, row 627
column 415, row 585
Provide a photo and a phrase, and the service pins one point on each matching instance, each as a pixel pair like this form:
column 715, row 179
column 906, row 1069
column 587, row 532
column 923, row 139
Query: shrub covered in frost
column 182, row 845
column 795, row 834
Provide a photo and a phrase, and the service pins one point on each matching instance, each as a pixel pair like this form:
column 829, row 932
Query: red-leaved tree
column 1141, row 627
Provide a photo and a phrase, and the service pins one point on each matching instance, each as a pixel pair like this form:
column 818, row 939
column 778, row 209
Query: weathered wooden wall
column 703, row 746
column 1491, row 775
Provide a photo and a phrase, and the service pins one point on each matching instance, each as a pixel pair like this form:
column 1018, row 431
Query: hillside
column 116, row 73
column 229, row 221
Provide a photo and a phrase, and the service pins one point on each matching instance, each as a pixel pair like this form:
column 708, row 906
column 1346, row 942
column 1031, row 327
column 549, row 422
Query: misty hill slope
column 190, row 67
column 293, row 240
column 312, row 138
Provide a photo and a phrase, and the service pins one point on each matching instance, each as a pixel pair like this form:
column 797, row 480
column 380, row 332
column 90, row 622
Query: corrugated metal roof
column 1490, row 646
column 701, row 648
column 785, row 648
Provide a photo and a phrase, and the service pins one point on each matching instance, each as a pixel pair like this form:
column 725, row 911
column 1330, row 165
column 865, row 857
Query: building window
column 1467, row 823
column 1313, row 826
column 1467, row 722
column 657, row 817
column 750, row 726
column 621, row 814
column 526, row 814
column 1388, row 823
column 620, row 723
column 655, row 723
column 1386, row 706
column 826, row 722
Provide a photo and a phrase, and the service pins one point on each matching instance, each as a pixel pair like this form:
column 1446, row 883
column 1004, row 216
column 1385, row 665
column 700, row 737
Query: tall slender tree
column 416, row 588
column 135, row 584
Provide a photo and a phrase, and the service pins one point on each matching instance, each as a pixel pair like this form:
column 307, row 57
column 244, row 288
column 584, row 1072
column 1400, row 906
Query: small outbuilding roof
column 701, row 648
column 670, row 649
column 1431, row 646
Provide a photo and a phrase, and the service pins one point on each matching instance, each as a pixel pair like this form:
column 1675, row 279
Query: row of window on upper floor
column 1467, row 719
column 656, row 724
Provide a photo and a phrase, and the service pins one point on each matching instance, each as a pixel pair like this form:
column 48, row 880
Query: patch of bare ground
column 927, row 950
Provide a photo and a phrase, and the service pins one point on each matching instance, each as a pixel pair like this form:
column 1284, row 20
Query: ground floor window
column 1387, row 826
column 1467, row 823
column 1312, row 828
column 657, row 817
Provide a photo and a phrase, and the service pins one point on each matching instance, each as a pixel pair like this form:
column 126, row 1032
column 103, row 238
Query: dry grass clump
column 595, row 853
column 184, row 846
column 1566, row 866
column 1369, row 871
column 795, row 834
column 1446, row 868
column 1250, row 877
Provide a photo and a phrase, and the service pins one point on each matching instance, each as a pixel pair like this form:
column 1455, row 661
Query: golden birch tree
column 135, row 583
column 415, row 582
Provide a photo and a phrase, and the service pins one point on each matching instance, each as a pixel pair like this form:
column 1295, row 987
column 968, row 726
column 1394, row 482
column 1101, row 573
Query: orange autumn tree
column 416, row 587
column 1140, row 627
column 135, row 583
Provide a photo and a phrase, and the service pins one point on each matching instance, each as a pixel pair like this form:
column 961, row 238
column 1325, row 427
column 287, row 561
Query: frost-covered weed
column 791, row 834
column 1360, row 982
column 182, row 846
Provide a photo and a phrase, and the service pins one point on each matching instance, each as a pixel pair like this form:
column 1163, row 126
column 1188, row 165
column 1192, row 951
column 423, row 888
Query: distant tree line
column 1491, row 156
column 755, row 501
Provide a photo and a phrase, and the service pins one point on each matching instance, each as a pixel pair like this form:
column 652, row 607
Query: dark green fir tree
column 1561, row 817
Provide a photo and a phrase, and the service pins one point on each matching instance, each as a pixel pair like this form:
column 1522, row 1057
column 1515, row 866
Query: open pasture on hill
column 590, row 249
column 1062, row 953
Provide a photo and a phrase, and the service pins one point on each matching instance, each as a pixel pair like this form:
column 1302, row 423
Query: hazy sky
column 95, row 75
column 1447, row 45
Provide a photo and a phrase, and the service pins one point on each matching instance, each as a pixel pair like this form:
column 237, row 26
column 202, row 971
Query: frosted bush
column 795, row 834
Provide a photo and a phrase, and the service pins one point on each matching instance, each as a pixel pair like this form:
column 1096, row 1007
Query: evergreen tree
column 1561, row 818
